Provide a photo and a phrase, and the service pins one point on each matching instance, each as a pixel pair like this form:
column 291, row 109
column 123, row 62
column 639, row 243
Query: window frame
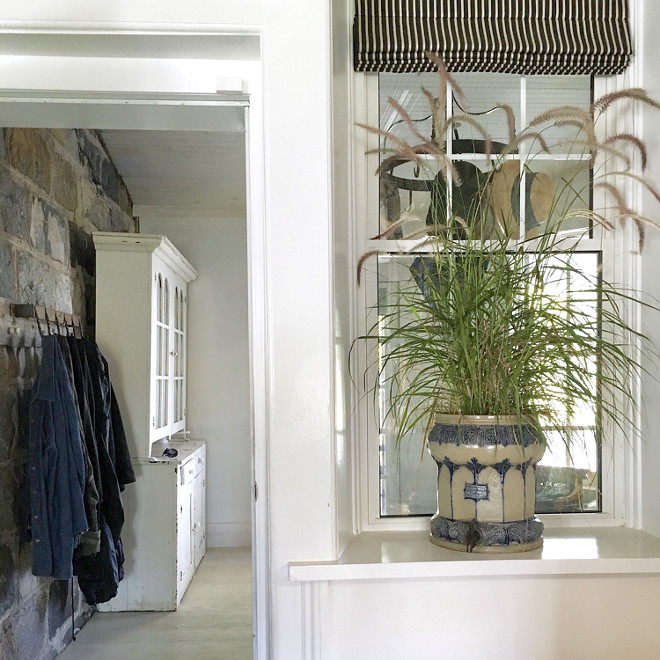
column 620, row 469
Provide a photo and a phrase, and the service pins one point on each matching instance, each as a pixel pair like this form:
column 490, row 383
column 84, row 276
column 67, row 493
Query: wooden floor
column 214, row 620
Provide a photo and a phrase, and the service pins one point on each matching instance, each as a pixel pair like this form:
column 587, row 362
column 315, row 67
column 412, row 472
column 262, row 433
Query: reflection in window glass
column 522, row 184
column 521, row 189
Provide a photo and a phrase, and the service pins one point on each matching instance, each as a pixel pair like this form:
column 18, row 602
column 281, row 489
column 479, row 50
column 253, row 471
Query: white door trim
column 41, row 103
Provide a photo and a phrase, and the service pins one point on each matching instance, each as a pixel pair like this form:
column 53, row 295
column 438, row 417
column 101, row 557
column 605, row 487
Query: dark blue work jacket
column 99, row 574
column 56, row 467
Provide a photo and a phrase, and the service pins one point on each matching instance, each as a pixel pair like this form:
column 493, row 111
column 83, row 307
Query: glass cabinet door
column 160, row 420
column 169, row 397
column 178, row 359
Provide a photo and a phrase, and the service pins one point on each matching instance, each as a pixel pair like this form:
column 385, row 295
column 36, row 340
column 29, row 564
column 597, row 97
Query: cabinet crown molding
column 159, row 246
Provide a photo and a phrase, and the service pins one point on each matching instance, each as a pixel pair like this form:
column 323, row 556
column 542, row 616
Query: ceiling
column 181, row 173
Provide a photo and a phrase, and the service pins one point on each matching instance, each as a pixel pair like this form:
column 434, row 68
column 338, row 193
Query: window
column 401, row 483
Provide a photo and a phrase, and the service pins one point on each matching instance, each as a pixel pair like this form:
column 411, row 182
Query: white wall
column 493, row 618
column 218, row 407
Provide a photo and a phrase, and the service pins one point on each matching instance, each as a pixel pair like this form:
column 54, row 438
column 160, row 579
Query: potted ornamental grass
column 500, row 335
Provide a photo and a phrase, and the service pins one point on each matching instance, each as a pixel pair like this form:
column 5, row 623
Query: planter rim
column 481, row 420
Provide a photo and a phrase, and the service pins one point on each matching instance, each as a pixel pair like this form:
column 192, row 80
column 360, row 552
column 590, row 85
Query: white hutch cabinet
column 141, row 298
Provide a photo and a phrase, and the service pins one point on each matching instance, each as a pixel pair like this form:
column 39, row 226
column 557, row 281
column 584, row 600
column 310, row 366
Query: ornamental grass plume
column 497, row 317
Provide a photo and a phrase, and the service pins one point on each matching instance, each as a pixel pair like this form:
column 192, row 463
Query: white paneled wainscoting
column 396, row 595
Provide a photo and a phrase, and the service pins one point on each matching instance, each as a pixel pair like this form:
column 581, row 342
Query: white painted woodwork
column 133, row 271
column 161, row 544
column 199, row 511
column 565, row 551
column 141, row 304
column 231, row 47
column 649, row 273
column 165, row 94
column 344, row 227
column 472, row 606
column 544, row 618
column 184, row 524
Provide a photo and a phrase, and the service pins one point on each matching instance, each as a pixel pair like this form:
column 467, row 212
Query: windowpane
column 555, row 189
column 483, row 92
column 568, row 479
column 546, row 92
column 407, row 90
column 408, row 474
column 406, row 188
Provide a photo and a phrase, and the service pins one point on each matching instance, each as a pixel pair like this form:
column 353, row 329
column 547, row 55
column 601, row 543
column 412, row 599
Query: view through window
column 521, row 185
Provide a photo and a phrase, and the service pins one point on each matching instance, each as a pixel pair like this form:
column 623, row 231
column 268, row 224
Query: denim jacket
column 56, row 468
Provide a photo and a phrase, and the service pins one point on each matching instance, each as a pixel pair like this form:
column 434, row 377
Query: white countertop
column 185, row 449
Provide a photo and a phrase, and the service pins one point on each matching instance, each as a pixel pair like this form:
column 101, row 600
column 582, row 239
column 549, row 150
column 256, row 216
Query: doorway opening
column 143, row 121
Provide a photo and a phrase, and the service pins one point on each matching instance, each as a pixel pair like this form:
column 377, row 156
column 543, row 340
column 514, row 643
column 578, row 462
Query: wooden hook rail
column 22, row 325
column 46, row 314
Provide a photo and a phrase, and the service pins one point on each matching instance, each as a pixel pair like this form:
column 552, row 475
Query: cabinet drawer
column 187, row 472
column 199, row 462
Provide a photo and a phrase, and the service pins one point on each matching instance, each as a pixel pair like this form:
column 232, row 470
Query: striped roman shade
column 507, row 36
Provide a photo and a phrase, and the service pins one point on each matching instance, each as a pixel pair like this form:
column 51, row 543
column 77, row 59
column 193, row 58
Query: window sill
column 406, row 555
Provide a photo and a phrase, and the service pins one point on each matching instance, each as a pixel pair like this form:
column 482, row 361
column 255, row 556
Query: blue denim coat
column 56, row 468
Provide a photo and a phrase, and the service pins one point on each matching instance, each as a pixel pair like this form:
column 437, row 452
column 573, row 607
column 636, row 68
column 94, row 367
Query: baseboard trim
column 228, row 535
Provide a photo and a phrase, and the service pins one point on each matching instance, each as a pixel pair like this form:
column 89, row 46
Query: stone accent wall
column 56, row 187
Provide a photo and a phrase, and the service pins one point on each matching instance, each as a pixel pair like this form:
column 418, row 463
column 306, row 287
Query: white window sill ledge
column 405, row 555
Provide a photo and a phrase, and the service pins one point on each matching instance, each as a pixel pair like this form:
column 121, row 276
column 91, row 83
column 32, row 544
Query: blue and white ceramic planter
column 486, row 483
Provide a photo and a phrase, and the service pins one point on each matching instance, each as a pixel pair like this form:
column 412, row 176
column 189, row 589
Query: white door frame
column 62, row 108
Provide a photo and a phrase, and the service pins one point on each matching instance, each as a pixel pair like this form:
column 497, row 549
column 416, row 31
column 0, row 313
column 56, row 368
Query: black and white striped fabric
column 507, row 36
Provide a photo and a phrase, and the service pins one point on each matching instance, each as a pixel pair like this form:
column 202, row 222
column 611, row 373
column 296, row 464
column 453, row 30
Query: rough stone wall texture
column 56, row 187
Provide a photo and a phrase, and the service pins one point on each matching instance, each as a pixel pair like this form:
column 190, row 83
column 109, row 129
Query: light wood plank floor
column 214, row 620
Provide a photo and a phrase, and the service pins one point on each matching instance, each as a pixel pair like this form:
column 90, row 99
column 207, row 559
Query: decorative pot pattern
column 486, row 483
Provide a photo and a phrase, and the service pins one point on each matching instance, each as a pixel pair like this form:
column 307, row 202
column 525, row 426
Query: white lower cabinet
column 164, row 538
column 199, row 515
